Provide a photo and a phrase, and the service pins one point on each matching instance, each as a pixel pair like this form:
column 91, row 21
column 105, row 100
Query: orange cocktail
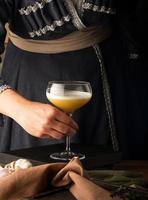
column 70, row 101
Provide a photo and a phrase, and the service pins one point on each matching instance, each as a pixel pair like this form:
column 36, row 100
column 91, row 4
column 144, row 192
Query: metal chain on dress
column 106, row 88
column 75, row 17
column 107, row 97
column 79, row 7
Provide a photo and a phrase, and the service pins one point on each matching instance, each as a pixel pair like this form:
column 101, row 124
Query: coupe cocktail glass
column 68, row 96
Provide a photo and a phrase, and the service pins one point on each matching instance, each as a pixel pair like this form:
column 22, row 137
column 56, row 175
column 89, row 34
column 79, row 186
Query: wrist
column 11, row 103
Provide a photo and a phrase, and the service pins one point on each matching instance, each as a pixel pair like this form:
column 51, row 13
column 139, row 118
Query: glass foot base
column 66, row 156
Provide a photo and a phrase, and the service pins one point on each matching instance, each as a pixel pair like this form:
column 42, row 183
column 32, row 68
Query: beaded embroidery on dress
column 47, row 15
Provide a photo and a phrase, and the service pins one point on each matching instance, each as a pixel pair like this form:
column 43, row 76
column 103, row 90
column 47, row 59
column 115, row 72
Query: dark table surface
column 96, row 157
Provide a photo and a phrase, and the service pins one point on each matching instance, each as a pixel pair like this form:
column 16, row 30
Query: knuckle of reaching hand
column 41, row 131
column 65, row 130
column 56, row 135
column 69, row 121
column 53, row 112
column 52, row 135
column 46, row 121
column 59, row 136
column 39, row 134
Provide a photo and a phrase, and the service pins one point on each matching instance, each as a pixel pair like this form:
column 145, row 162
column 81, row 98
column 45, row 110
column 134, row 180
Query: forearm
column 44, row 119
column 11, row 103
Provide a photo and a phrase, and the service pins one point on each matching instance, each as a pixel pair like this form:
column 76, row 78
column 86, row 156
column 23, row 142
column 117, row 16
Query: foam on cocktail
column 69, row 101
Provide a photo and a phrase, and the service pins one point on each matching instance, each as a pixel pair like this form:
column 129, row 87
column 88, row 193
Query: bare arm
column 38, row 119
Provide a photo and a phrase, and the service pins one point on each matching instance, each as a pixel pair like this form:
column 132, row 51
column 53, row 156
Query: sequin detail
column 33, row 8
column 95, row 8
column 51, row 27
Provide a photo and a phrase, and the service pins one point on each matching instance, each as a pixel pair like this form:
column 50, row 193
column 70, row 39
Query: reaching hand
column 38, row 119
column 44, row 120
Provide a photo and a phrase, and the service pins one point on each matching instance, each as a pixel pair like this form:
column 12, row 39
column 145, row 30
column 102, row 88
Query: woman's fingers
column 66, row 119
column 43, row 120
column 57, row 129
column 53, row 134
column 62, row 128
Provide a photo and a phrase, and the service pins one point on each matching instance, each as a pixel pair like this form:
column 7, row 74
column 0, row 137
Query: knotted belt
column 73, row 41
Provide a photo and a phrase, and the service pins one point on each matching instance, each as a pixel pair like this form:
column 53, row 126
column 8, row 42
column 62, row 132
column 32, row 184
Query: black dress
column 111, row 117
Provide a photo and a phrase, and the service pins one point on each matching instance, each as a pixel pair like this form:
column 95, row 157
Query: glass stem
column 68, row 148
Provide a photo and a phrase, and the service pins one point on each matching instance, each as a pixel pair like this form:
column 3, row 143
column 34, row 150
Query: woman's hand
column 38, row 119
column 44, row 120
